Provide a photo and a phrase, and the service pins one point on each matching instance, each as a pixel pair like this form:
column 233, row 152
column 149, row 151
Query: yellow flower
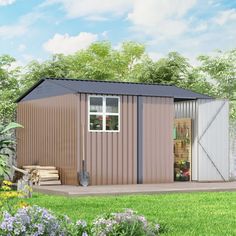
column 23, row 204
column 9, row 195
column 6, row 182
column 6, row 188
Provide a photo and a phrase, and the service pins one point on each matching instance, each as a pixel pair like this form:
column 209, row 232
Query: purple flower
column 33, row 221
column 82, row 223
column 157, row 227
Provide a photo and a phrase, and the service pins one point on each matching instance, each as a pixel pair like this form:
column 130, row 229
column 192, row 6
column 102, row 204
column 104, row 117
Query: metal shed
column 128, row 130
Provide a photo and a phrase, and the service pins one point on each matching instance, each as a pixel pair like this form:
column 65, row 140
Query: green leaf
column 10, row 126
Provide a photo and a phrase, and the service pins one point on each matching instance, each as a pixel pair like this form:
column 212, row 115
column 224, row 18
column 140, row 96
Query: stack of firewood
column 43, row 175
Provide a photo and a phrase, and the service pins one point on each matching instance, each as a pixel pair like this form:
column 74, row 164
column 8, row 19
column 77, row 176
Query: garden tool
column 83, row 175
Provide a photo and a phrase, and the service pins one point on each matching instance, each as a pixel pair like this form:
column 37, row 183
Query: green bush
column 6, row 147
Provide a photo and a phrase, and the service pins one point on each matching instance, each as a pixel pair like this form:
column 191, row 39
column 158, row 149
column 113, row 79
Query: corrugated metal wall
column 158, row 121
column 111, row 156
column 50, row 133
column 213, row 138
column 189, row 109
column 51, row 136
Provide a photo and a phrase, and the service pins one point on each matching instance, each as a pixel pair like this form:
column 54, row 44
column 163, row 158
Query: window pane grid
column 96, row 113
column 111, row 114
column 103, row 121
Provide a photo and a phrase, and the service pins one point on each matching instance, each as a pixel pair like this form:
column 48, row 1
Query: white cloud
column 104, row 34
column 11, row 31
column 162, row 18
column 27, row 58
column 67, row 44
column 225, row 16
column 193, row 45
column 201, row 27
column 21, row 47
column 92, row 9
column 6, row 2
column 155, row 56
column 20, row 28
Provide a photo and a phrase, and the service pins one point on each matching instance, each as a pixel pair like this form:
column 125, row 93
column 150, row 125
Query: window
column 104, row 113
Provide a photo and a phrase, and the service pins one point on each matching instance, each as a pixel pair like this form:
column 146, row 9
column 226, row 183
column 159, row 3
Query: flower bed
column 35, row 221
column 18, row 218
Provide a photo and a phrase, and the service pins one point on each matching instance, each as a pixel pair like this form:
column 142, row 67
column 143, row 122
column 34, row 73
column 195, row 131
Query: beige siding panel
column 158, row 118
column 125, row 138
column 134, row 137
column 52, row 136
column 119, row 144
column 104, row 160
column 110, row 156
column 50, row 133
column 99, row 157
column 115, row 159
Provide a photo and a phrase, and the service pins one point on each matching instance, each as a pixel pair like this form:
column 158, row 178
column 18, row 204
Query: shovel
column 83, row 175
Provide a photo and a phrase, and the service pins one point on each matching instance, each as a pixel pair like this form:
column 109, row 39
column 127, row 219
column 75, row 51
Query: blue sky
column 36, row 29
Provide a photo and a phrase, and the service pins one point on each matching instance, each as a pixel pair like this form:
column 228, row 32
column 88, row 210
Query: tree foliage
column 9, row 87
column 220, row 69
column 215, row 75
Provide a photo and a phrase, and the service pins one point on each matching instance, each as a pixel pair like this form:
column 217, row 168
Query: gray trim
column 140, row 140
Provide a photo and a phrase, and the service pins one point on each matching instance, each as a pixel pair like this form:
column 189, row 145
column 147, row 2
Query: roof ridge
column 110, row 81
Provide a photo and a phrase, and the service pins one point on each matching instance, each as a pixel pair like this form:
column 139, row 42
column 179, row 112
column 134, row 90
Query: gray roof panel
column 56, row 87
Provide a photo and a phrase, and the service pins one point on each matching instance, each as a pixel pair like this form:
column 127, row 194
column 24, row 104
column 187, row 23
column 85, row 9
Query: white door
column 213, row 140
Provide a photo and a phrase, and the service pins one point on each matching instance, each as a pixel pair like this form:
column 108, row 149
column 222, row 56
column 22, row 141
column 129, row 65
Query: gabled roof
column 54, row 87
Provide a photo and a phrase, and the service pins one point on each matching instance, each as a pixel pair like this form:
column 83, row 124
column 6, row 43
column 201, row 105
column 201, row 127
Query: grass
column 183, row 214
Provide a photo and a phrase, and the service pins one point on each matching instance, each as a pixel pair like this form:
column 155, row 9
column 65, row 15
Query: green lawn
column 183, row 214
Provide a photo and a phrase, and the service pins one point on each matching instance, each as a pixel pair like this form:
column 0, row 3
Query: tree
column 99, row 62
column 173, row 69
column 221, row 70
column 57, row 67
column 9, row 87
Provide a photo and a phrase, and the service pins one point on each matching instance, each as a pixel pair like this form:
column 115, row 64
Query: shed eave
column 29, row 90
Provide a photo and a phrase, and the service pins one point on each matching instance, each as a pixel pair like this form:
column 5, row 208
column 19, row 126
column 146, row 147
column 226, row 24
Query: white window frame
column 104, row 113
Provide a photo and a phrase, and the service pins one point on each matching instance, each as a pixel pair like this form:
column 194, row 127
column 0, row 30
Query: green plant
column 6, row 146
column 127, row 223
column 4, row 168
column 32, row 221
column 9, row 199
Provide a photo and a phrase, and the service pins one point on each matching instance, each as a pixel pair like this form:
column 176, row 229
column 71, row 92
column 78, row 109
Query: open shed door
column 213, row 140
